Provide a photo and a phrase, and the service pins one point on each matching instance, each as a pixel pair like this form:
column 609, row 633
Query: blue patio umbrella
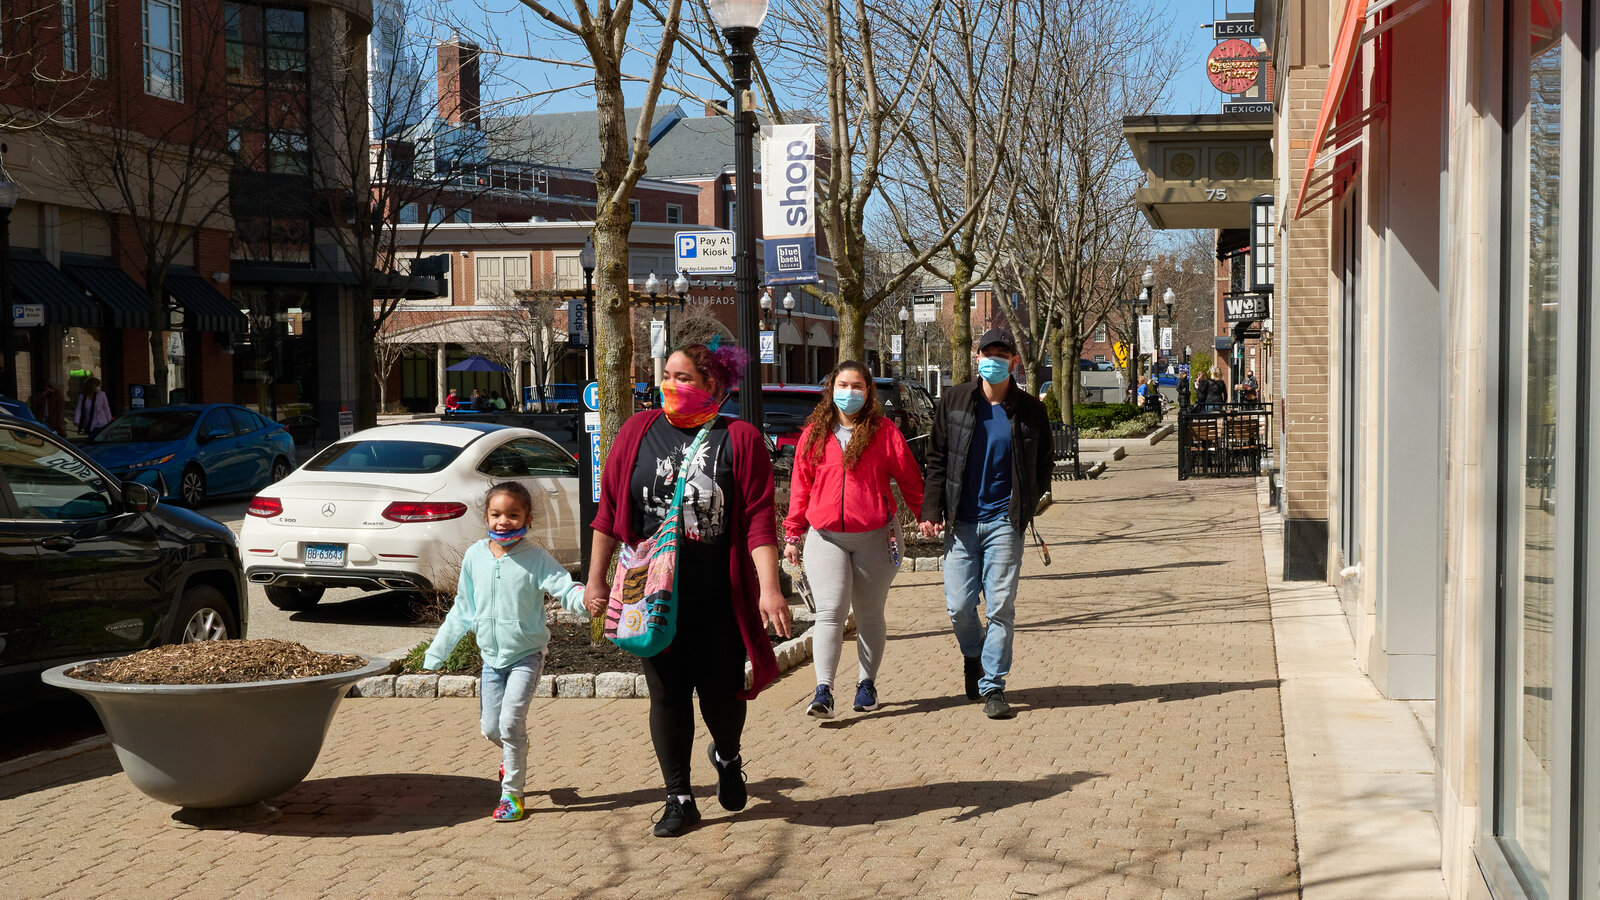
column 477, row 364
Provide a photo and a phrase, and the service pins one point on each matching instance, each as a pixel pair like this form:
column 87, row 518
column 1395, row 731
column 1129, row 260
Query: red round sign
column 1233, row 67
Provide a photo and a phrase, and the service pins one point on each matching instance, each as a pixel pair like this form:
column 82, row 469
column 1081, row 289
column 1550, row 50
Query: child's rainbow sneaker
column 510, row 809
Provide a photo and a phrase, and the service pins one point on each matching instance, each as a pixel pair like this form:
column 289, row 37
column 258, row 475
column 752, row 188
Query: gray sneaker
column 995, row 705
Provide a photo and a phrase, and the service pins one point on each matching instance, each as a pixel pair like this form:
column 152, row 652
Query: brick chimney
column 458, row 82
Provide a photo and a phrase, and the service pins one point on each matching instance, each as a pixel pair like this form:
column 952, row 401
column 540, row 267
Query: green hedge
column 1100, row 416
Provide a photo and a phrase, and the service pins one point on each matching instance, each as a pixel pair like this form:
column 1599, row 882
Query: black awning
column 36, row 281
column 204, row 309
column 126, row 304
column 1232, row 241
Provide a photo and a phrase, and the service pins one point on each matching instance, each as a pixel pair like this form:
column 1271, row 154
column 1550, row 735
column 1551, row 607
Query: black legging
column 707, row 655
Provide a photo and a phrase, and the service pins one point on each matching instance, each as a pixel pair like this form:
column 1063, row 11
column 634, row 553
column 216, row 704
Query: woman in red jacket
column 728, row 587
column 840, row 505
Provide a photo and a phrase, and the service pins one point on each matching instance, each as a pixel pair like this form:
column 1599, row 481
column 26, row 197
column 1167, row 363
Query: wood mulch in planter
column 218, row 662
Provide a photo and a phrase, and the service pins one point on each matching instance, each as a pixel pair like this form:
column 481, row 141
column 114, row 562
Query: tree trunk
column 961, row 323
column 366, row 394
column 852, row 332
column 1067, row 389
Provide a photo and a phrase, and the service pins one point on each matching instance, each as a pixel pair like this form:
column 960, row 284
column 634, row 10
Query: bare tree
column 603, row 34
column 390, row 168
column 156, row 171
column 389, row 349
column 958, row 141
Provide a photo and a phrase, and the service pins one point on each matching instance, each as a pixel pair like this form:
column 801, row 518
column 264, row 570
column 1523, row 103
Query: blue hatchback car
column 195, row 451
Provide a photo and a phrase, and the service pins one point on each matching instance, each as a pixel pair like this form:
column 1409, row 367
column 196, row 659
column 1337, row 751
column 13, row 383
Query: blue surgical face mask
column 994, row 370
column 849, row 401
column 506, row 538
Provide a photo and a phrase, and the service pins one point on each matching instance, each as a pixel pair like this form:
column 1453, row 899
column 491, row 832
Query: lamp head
column 766, row 300
column 904, row 315
column 586, row 255
column 788, row 302
column 1149, row 277
column 738, row 13
column 681, row 286
column 1144, row 297
column 652, row 285
column 1168, row 297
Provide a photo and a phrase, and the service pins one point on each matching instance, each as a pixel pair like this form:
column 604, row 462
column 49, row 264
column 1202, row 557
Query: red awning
column 1344, row 60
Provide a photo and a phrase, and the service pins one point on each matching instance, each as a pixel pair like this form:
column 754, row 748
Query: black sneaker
column 822, row 704
column 730, row 781
column 676, row 817
column 995, row 705
column 972, row 666
column 866, row 696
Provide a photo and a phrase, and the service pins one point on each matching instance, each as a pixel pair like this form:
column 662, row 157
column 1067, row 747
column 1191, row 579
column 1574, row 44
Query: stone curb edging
column 605, row 686
column 1156, row 436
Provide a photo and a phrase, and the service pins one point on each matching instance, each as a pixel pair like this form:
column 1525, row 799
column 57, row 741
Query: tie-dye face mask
column 687, row 406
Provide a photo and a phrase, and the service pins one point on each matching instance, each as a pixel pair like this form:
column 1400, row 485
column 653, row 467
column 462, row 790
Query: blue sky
column 510, row 21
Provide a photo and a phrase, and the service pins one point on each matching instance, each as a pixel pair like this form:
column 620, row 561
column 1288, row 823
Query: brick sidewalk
column 1146, row 760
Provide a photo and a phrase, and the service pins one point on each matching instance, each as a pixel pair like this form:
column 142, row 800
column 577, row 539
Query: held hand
column 595, row 597
column 775, row 613
column 930, row 529
column 791, row 552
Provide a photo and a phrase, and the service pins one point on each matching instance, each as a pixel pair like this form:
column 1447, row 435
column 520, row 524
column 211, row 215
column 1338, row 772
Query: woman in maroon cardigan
column 728, row 590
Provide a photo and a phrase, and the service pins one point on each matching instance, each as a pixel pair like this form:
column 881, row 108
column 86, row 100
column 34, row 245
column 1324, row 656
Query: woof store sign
column 789, row 203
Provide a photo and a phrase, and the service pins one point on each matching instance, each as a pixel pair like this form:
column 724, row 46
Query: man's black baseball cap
column 995, row 336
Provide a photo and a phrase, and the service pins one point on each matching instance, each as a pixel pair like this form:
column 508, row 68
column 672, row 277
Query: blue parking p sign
column 591, row 395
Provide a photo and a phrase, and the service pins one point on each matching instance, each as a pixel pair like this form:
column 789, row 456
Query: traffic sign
column 595, row 466
column 1120, row 351
column 769, row 348
column 925, row 308
column 591, row 395
column 705, row 252
column 27, row 315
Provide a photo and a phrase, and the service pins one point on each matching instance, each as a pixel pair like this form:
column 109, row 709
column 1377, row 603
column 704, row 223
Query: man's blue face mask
column 994, row 370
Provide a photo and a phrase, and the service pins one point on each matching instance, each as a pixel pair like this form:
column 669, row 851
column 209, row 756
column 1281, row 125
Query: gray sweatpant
column 848, row 570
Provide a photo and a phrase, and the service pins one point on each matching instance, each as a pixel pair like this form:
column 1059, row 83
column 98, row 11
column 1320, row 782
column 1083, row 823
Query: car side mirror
column 138, row 498
column 215, row 434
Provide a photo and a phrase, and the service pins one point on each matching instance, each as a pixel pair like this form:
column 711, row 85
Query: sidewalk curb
column 1156, row 436
column 604, row 686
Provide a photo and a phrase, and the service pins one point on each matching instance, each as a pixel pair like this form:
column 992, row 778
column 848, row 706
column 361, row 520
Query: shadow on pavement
column 1058, row 696
column 966, row 799
column 398, row 608
column 366, row 804
column 1122, row 573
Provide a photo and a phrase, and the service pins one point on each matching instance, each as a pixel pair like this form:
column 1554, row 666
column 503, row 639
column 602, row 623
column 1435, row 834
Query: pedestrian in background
column 1183, row 390
column 988, row 462
column 92, row 411
column 1214, row 396
column 842, row 508
column 451, row 401
column 728, row 591
column 51, row 408
column 500, row 599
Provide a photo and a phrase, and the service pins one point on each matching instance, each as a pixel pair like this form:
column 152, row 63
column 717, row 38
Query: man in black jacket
column 989, row 460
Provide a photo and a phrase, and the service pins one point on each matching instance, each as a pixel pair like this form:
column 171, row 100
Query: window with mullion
column 162, row 22
column 69, row 35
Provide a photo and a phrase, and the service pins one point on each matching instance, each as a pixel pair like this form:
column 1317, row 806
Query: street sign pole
column 589, row 489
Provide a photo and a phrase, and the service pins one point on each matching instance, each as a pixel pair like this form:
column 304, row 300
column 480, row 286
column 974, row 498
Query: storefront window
column 1528, row 751
column 272, row 364
column 81, row 359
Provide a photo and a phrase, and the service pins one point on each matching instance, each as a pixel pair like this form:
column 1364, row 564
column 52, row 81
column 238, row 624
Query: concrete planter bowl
column 217, row 751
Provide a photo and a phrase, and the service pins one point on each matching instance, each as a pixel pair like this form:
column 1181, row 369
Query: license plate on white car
column 325, row 555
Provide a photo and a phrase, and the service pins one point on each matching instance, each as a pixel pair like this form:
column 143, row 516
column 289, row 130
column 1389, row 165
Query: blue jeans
column 506, row 693
column 984, row 557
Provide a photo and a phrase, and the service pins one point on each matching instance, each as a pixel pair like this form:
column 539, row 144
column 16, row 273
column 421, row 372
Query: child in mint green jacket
column 500, row 597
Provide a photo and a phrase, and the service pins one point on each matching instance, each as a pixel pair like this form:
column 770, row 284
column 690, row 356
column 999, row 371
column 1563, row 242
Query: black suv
column 93, row 567
column 909, row 407
column 786, row 407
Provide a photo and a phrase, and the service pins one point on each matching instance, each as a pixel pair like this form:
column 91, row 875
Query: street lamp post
column 8, row 343
column 905, row 340
column 788, row 312
column 652, row 286
column 681, row 288
column 586, row 260
column 740, row 20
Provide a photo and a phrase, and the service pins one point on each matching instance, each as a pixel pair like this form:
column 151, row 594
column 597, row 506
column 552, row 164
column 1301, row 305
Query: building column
column 438, row 376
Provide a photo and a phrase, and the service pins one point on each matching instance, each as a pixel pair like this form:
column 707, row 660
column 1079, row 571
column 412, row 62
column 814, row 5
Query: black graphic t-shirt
column 707, row 492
